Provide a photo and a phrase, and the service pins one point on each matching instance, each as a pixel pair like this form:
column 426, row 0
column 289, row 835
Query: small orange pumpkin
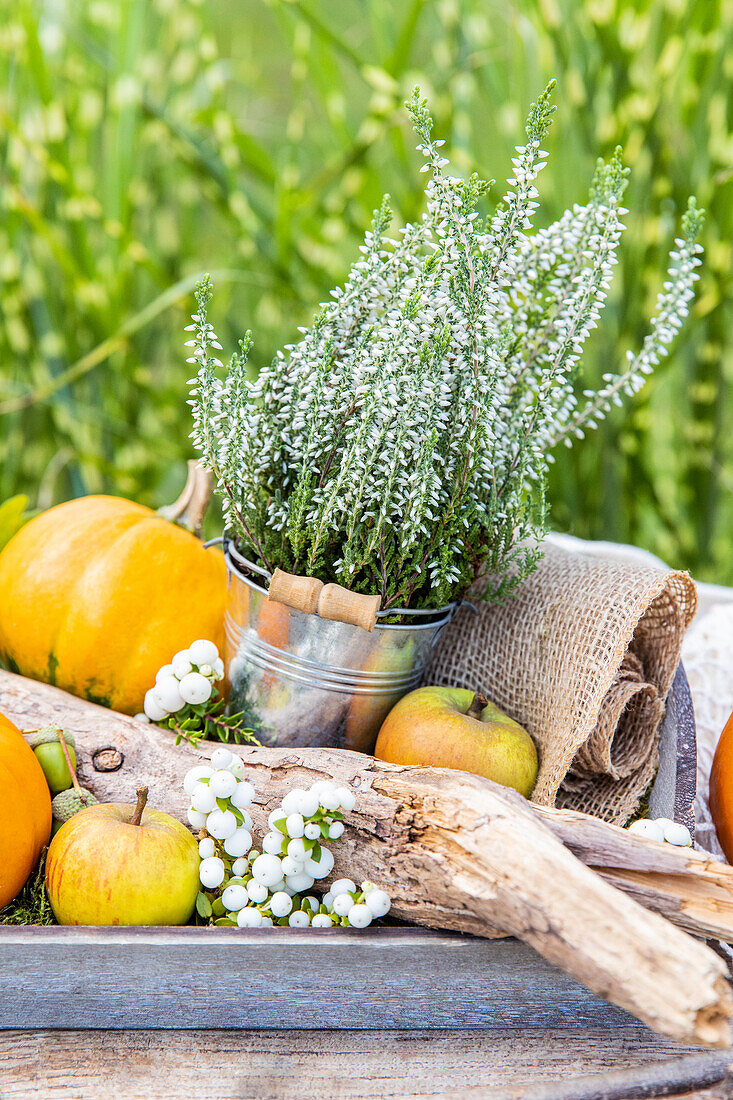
column 25, row 811
column 721, row 790
column 98, row 593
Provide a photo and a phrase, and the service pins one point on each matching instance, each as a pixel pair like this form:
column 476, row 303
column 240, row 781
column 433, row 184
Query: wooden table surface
column 534, row 1064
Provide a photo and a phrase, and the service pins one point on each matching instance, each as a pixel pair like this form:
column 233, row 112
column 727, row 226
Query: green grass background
column 145, row 141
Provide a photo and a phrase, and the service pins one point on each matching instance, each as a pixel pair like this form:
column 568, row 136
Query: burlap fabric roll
column 582, row 657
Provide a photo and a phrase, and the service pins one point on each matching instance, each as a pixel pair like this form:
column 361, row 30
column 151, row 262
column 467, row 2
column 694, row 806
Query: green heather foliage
column 402, row 446
column 144, row 141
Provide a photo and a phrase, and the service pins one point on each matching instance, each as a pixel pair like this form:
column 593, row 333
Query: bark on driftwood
column 455, row 851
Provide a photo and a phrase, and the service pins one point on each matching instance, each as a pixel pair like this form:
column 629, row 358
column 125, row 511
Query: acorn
column 68, row 803
column 50, row 755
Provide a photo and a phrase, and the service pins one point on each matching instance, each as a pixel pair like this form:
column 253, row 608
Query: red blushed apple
column 119, row 864
column 445, row 727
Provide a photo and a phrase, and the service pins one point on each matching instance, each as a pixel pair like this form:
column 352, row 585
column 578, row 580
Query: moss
column 31, row 907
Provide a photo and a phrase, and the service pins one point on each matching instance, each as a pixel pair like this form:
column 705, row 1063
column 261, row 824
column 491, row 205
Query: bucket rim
column 240, row 566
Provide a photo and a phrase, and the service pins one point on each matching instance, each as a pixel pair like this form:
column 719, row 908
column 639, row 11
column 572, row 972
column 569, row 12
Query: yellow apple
column 445, row 727
column 119, row 864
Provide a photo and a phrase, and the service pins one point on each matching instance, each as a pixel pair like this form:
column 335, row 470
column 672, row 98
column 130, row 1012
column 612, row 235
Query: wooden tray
column 328, row 978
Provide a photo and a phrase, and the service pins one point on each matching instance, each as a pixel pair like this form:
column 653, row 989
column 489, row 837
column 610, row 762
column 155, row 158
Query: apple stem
column 478, row 703
column 142, row 798
column 70, row 766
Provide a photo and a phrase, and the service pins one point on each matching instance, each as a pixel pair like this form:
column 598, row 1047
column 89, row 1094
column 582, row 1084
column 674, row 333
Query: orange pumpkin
column 25, row 811
column 98, row 593
column 721, row 790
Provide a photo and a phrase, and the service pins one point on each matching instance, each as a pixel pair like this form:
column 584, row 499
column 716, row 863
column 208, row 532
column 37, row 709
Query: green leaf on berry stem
column 203, row 905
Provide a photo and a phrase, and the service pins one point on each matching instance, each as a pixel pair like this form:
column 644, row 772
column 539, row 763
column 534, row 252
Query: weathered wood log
column 455, row 851
column 689, row 888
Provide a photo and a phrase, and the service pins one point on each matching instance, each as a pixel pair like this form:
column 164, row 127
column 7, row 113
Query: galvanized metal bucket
column 304, row 680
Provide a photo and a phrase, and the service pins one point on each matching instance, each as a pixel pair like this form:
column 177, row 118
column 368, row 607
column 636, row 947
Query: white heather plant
column 401, row 447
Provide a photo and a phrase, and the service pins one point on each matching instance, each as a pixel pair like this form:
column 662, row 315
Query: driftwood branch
column 455, row 851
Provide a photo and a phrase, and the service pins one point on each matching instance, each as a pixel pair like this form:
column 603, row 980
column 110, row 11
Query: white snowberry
column 299, row 882
column 206, row 847
column 335, row 830
column 240, row 867
column 218, row 669
column 329, row 799
column 235, row 897
column 195, row 819
column 343, row 886
column 347, row 798
column 308, row 803
column 181, row 664
column 221, row 758
column 648, row 828
column 167, row 693
column 297, row 849
column 152, row 708
column 292, row 801
column 221, row 824
column 239, row 843
column 163, row 672
column 267, row 869
column 243, row 794
column 211, row 872
column 280, row 904
column 249, row 917
column 299, row 919
column 321, row 920
column 320, row 868
column 342, row 904
column 223, row 784
column 272, row 843
column 257, row 892
column 141, row 717
column 276, row 820
column 195, row 688
column 294, row 825
column 312, row 830
column 203, row 798
column 207, row 671
column 202, row 652
column 378, row 903
column 677, row 834
column 360, row 916
column 328, row 900
column 291, row 866
column 194, row 775
column 267, row 922
column 236, row 766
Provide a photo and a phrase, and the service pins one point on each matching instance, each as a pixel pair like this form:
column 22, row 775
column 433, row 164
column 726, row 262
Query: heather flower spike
column 401, row 446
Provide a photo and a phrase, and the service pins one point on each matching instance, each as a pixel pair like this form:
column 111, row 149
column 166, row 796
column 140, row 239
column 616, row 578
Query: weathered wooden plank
column 299, row 1065
column 697, row 1072
column 263, row 978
